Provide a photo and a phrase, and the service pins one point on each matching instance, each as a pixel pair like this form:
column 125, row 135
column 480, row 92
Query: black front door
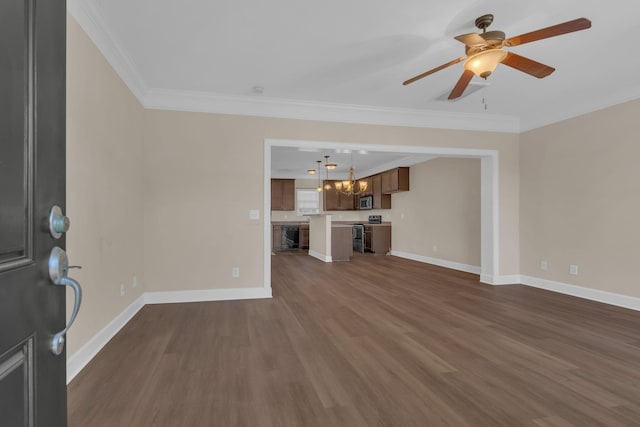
column 32, row 180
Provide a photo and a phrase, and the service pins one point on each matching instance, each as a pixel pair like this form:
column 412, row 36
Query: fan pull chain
column 485, row 100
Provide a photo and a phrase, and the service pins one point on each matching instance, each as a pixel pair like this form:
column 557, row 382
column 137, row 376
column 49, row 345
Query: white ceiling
column 292, row 162
column 347, row 59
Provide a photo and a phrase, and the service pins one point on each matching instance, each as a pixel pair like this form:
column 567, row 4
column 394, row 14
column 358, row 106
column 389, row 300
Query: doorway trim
column 489, row 190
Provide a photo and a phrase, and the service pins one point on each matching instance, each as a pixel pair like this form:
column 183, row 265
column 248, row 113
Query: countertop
column 334, row 223
column 290, row 222
column 351, row 223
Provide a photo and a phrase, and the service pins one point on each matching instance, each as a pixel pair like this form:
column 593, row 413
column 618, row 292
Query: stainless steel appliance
column 375, row 219
column 358, row 237
column 290, row 237
column 366, row 203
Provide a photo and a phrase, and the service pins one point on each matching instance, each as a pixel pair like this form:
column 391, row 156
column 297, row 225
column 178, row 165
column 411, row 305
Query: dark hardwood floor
column 379, row 341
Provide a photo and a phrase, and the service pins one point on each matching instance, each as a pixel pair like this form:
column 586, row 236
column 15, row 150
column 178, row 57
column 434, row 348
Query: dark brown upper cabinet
column 283, row 194
column 380, row 200
column 395, row 180
column 335, row 200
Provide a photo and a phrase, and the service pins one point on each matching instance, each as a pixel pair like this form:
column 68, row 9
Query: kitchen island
column 341, row 242
column 333, row 241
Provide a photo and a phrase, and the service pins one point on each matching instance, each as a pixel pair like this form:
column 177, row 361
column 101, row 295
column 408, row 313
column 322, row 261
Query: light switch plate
column 573, row 269
column 254, row 214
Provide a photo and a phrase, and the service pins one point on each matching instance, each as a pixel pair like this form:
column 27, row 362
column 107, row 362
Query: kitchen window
column 307, row 201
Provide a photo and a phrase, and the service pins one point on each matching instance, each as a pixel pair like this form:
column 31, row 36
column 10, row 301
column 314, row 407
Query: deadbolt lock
column 58, row 223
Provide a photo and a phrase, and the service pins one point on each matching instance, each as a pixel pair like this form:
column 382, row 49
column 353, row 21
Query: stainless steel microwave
column 366, row 203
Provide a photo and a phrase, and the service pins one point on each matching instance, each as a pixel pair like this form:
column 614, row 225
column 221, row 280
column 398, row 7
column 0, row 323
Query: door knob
column 58, row 268
column 58, row 223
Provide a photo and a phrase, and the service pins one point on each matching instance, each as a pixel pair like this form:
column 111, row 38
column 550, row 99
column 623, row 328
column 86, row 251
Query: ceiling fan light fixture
column 482, row 64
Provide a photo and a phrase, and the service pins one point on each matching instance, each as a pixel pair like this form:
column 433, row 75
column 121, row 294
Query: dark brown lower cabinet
column 377, row 238
column 341, row 243
column 304, row 237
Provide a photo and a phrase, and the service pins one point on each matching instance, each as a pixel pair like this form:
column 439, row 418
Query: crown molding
column 304, row 110
column 93, row 24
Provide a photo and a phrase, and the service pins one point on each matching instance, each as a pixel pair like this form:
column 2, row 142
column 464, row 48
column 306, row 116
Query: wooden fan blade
column 462, row 84
column 471, row 39
column 544, row 33
column 526, row 65
column 442, row 67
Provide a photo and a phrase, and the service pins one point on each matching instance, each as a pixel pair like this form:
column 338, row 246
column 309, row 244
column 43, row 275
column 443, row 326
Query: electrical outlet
column 121, row 289
column 543, row 265
column 435, row 248
column 573, row 269
column 402, row 215
column 255, row 214
column 235, row 272
column 134, row 282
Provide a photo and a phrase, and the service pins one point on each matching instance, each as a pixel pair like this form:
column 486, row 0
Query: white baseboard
column 321, row 257
column 206, row 295
column 497, row 280
column 619, row 300
column 80, row 358
column 440, row 262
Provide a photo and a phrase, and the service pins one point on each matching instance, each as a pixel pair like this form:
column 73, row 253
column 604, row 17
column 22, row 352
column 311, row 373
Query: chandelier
column 351, row 187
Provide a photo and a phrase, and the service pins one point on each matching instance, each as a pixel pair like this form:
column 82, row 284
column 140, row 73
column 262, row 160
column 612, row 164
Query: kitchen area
column 345, row 222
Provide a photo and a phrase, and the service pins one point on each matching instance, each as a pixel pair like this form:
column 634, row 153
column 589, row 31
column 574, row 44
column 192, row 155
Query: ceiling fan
column 484, row 51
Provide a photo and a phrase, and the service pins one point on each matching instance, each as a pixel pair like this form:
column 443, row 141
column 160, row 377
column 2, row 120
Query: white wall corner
column 618, row 300
column 321, row 257
column 198, row 295
column 499, row 280
column 80, row 358
column 439, row 262
column 92, row 22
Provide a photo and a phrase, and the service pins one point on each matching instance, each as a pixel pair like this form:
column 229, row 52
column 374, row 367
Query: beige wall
column 165, row 195
column 442, row 210
column 204, row 172
column 580, row 200
column 104, row 187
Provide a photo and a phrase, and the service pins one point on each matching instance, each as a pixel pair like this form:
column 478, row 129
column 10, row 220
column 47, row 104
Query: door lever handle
column 58, row 267
column 57, row 343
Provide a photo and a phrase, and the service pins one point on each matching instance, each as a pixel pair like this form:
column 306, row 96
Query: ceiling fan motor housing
column 484, row 21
